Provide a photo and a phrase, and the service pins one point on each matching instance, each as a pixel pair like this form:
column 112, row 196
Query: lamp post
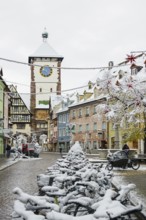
column 70, row 127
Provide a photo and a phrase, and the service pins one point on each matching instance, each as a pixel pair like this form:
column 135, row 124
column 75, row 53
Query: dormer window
column 90, row 85
column 133, row 71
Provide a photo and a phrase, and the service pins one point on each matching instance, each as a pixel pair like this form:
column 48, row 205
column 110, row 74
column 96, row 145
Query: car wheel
column 135, row 164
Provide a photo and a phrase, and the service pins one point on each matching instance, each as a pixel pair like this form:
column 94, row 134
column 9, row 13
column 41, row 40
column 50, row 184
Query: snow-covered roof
column 61, row 110
column 91, row 99
column 123, row 68
column 139, row 61
column 45, row 50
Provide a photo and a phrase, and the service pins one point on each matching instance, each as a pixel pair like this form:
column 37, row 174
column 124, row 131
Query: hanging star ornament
column 130, row 58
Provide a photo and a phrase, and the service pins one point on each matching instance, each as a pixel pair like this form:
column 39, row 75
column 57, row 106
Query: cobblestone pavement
column 22, row 174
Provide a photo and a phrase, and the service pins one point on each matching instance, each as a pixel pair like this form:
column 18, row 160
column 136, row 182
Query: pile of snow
column 74, row 189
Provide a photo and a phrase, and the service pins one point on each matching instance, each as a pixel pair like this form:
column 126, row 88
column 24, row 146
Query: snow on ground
column 77, row 177
column 135, row 195
column 30, row 159
column 118, row 179
column 11, row 161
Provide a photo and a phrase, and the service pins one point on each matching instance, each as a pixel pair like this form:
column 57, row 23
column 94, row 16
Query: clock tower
column 45, row 65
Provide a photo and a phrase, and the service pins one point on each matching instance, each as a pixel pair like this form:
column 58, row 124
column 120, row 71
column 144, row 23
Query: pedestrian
column 8, row 149
column 60, row 149
column 126, row 149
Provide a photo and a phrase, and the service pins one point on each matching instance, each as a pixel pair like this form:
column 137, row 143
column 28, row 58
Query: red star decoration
column 130, row 85
column 130, row 58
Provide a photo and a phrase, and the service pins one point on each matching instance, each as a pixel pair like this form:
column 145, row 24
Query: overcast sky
column 87, row 33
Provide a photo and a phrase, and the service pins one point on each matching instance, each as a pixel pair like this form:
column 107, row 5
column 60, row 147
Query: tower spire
column 45, row 35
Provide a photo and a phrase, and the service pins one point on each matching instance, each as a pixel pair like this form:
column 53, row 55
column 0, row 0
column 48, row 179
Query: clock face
column 46, row 71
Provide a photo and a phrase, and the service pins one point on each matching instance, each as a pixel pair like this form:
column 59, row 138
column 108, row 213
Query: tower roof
column 45, row 50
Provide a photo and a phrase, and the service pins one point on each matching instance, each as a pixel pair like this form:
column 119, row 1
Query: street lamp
column 71, row 126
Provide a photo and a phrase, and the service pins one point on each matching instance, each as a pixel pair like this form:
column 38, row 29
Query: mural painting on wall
column 42, row 114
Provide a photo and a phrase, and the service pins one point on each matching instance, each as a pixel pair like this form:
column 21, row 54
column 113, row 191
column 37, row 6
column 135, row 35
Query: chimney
column 110, row 65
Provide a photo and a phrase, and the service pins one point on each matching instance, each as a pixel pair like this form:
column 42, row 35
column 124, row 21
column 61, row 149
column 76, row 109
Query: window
column 67, row 130
column 133, row 71
column 51, row 90
column 60, row 118
column 94, row 144
column 42, row 125
column 73, row 114
column 103, row 125
column 20, row 126
column 64, row 118
column 15, row 108
column 59, row 132
column 87, row 111
column 40, row 89
column 87, row 127
column 46, row 125
column 80, row 128
column 67, row 117
column 38, row 125
column 80, row 113
column 15, row 101
column 73, row 129
column 94, row 109
column 63, row 131
column 89, row 145
column 95, row 126
column 21, row 109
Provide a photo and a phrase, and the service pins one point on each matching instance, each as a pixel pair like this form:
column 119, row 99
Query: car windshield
column 120, row 155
